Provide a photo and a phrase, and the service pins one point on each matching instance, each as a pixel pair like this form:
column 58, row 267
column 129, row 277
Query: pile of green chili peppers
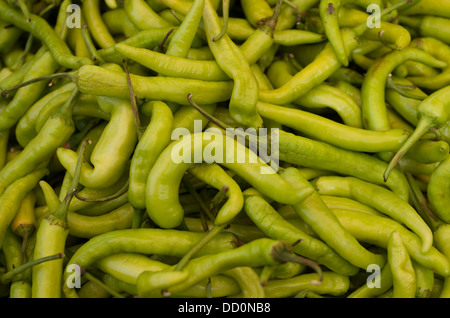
column 224, row 149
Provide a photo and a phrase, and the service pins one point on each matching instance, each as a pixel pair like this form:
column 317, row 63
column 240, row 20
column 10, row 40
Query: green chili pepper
column 441, row 236
column 373, row 88
column 26, row 96
column 306, row 152
column 13, row 195
column 329, row 131
column 84, row 226
column 94, row 20
column 439, row 50
column 146, row 241
column 216, row 177
column 373, row 229
column 247, row 279
column 317, row 215
column 329, row 12
column 275, row 227
column 41, row 30
column 437, row 190
column 230, row 58
column 391, row 35
column 167, row 173
column 322, row 96
column 184, row 36
column 323, row 66
column 256, row 253
column 114, row 146
column 25, row 129
column 256, row 11
column 424, row 280
column 153, row 141
column 332, row 284
column 126, row 267
column 403, row 276
column 55, row 133
column 383, row 200
column 429, row 7
column 173, row 66
column 143, row 16
column 435, row 27
column 368, row 291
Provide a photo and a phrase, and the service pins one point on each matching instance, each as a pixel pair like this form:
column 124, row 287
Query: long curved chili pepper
column 147, row 241
column 115, row 146
column 55, row 133
column 327, row 130
column 374, row 229
column 383, row 200
column 216, row 177
column 40, row 29
column 167, row 173
column 230, row 58
column 329, row 13
column 373, row 88
column 332, row 284
column 262, row 252
column 439, row 50
column 155, row 138
column 319, row 217
column 403, row 276
column 273, row 225
column 309, row 153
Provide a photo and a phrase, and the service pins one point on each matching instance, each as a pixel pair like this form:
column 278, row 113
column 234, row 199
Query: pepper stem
column 67, row 75
column 215, row 230
column 422, row 127
column 8, row 276
column 281, row 253
column 404, row 90
column 87, row 39
column 225, row 13
column 421, row 203
column 63, row 208
column 119, row 193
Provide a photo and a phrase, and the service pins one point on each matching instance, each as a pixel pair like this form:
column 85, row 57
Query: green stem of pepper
column 422, row 127
column 8, row 276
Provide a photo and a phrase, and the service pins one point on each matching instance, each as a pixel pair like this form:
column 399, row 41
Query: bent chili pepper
column 40, row 29
column 216, row 177
column 309, row 153
column 256, row 253
column 155, row 138
column 274, row 226
column 245, row 90
column 56, row 131
column 164, row 208
column 376, row 230
column 146, row 241
column 113, row 150
column 329, row 131
column 317, row 215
